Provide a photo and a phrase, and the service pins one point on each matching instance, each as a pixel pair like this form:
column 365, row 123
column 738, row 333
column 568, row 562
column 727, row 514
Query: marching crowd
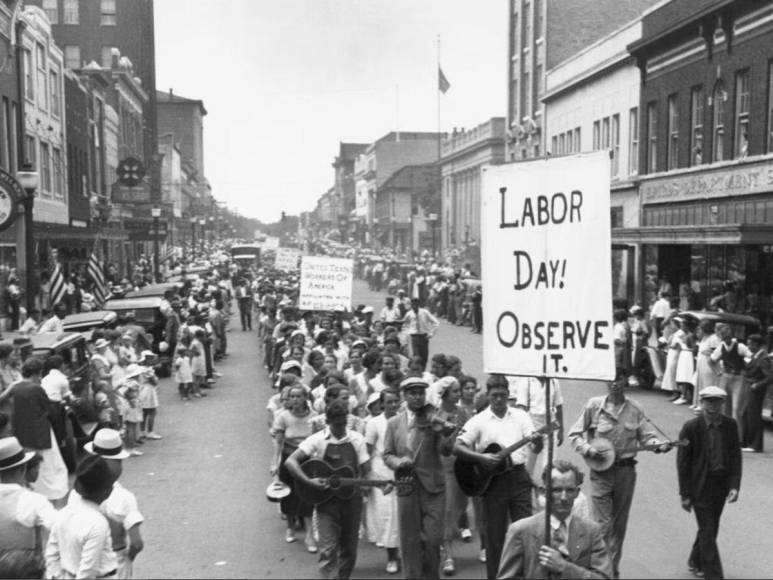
column 374, row 439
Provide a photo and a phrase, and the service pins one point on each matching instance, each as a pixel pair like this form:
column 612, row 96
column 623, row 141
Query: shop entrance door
column 674, row 264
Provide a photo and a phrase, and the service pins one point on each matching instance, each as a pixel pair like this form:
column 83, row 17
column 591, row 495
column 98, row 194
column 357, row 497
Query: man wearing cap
column 709, row 469
column 420, row 326
column 25, row 516
column 508, row 497
column 624, row 424
column 412, row 449
column 120, row 509
column 389, row 313
column 80, row 544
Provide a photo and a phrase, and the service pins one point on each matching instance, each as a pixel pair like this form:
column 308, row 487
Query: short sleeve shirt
column 315, row 445
column 486, row 428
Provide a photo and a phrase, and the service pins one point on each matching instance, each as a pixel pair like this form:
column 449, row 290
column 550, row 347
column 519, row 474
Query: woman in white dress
column 673, row 345
column 685, row 365
column 381, row 507
column 705, row 371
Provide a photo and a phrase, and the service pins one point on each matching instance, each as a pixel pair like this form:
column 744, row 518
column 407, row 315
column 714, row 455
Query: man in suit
column 757, row 377
column 412, row 445
column 709, row 469
column 577, row 547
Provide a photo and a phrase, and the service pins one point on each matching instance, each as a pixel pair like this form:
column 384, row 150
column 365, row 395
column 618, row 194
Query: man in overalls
column 338, row 519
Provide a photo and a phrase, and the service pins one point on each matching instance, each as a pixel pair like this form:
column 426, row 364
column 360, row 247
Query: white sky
column 284, row 81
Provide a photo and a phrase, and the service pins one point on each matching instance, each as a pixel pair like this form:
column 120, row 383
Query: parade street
column 202, row 489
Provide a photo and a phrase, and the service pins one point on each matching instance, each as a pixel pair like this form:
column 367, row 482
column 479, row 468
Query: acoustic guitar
column 341, row 482
column 608, row 453
column 474, row 478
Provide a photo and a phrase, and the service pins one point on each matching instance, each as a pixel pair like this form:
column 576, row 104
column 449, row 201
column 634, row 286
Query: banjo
column 608, row 453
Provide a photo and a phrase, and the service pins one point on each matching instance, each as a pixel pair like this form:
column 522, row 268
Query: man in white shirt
column 390, row 313
column 80, row 545
column 55, row 383
column 508, row 497
column 55, row 324
column 25, row 516
column 420, row 325
column 530, row 396
column 32, row 323
column 660, row 311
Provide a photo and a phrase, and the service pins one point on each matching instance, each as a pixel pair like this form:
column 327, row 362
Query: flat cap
column 709, row 392
column 413, row 383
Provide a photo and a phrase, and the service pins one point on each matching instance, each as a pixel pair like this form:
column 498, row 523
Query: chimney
column 115, row 56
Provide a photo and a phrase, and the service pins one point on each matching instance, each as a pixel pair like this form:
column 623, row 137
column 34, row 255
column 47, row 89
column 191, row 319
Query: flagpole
column 437, row 90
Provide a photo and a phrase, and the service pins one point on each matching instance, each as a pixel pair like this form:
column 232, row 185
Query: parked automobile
column 77, row 420
column 153, row 290
column 649, row 374
column 87, row 322
column 147, row 314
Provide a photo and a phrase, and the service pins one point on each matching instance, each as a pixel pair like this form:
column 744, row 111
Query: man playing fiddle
column 413, row 446
column 508, row 496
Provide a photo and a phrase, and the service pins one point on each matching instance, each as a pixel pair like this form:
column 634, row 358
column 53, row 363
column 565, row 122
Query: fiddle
column 428, row 419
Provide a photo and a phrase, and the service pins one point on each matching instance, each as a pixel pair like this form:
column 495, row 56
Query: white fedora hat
column 108, row 444
column 12, row 454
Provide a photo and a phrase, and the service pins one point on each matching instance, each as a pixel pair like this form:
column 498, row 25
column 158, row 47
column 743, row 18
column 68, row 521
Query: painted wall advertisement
column 546, row 249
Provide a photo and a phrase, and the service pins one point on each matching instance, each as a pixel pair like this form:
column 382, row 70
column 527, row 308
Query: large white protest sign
column 546, row 268
column 271, row 243
column 287, row 259
column 326, row 283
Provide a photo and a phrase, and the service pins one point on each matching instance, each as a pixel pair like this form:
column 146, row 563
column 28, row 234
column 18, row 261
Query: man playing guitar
column 339, row 519
column 413, row 445
column 508, row 496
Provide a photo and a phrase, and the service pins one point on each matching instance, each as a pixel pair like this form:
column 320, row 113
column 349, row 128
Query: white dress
column 380, row 509
column 685, row 365
column 669, row 374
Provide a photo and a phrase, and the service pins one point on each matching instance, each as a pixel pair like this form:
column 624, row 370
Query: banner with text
column 287, row 259
column 326, row 283
column 546, row 268
column 271, row 243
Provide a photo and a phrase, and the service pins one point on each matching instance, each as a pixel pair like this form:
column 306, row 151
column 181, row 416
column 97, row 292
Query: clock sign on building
column 10, row 193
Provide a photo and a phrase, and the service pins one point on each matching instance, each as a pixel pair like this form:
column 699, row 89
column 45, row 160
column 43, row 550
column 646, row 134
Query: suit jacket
column 31, row 409
column 588, row 557
column 759, row 369
column 429, row 469
column 692, row 460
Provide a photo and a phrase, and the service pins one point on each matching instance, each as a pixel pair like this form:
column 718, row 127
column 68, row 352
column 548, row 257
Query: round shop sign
column 10, row 193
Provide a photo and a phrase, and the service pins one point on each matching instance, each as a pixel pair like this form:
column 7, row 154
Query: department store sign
column 742, row 180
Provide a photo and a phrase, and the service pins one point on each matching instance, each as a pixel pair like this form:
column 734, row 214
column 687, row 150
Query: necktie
column 560, row 537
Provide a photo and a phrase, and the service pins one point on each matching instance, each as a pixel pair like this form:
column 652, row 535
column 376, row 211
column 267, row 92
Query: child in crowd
column 182, row 372
column 198, row 363
column 148, row 397
column 106, row 414
column 132, row 416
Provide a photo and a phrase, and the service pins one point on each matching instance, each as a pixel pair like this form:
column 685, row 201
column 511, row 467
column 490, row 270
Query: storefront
column 707, row 237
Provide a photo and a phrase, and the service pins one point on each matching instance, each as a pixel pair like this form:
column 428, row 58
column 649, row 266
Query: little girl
column 148, row 398
column 198, row 362
column 182, row 372
column 132, row 416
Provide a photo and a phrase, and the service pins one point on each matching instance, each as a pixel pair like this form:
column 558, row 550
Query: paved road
column 202, row 487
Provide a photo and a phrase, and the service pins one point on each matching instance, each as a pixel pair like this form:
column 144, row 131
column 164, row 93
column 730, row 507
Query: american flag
column 96, row 273
column 57, row 285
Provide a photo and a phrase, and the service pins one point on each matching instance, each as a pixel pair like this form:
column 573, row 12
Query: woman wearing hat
column 25, row 516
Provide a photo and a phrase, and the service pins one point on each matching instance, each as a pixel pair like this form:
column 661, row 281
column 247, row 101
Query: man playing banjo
column 607, row 434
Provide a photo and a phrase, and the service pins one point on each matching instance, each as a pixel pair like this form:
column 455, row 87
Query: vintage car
column 153, row 290
column 74, row 423
column 648, row 374
column 87, row 322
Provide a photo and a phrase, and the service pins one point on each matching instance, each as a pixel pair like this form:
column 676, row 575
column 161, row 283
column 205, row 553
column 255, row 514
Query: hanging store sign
column 10, row 193
column 130, row 195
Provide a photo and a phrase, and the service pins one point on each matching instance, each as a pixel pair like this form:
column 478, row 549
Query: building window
column 537, row 84
column 770, row 108
column 30, row 151
column 615, row 145
column 42, row 76
column 72, row 56
column 719, row 97
column 58, row 173
column 696, row 126
column 7, row 134
column 652, row 136
column 633, row 141
column 673, row 132
column 554, row 145
column 71, row 15
column 596, row 135
column 616, row 216
column 55, row 94
column 514, row 118
column 562, row 143
column 107, row 13
column 525, row 88
column 107, row 56
column 51, row 8
column 514, row 48
column 577, row 142
column 569, row 142
column 45, row 168
column 538, row 32
column 605, row 133
column 742, row 114
column 526, row 24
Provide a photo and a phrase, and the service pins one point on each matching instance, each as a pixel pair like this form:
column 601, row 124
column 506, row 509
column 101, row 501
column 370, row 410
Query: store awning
column 712, row 235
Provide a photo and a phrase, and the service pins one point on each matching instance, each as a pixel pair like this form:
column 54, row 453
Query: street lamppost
column 156, row 213
column 28, row 178
column 202, row 221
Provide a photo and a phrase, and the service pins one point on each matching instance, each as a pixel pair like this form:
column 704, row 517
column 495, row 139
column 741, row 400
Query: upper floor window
column 615, row 144
column 696, row 126
column 770, row 108
column 605, row 133
column 742, row 113
column 56, row 108
column 525, row 94
column 107, row 10
column 107, row 56
column 596, row 135
column 29, row 75
column 514, row 118
column 652, row 137
column 71, row 13
column 51, row 8
column 42, row 76
column 526, row 24
column 514, row 47
column 673, row 132
column 633, row 141
column 577, row 142
column 718, row 102
column 45, row 168
column 538, row 21
column 72, row 56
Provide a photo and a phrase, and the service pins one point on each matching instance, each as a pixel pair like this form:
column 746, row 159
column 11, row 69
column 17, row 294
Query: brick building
column 343, row 184
column 706, row 157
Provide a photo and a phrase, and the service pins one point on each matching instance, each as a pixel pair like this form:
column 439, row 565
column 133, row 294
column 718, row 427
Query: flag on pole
column 442, row 82
column 57, row 285
column 98, row 276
